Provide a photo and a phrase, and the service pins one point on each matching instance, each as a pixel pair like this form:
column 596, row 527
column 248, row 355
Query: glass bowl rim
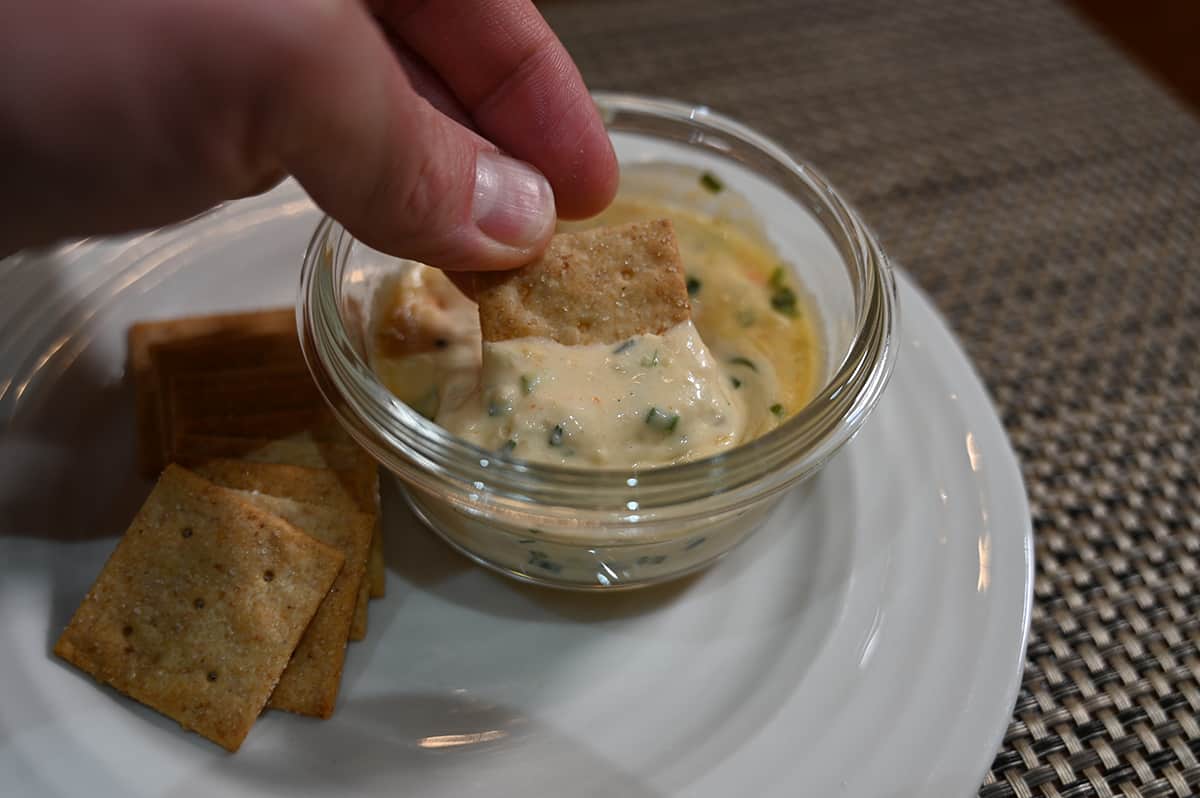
column 434, row 459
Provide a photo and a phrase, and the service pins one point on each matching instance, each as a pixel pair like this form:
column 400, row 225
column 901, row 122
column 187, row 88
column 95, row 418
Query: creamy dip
column 749, row 358
column 651, row 400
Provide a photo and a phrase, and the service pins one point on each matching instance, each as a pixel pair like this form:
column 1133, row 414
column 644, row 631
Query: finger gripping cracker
column 596, row 286
column 199, row 608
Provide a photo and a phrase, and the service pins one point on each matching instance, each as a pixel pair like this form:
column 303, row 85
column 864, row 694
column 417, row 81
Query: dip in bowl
column 825, row 320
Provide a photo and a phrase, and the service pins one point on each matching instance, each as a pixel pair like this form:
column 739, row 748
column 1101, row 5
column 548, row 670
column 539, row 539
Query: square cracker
column 198, row 610
column 376, row 567
column 359, row 474
column 211, row 332
column 354, row 490
column 305, row 449
column 595, row 286
column 309, row 684
column 229, row 403
column 228, row 351
column 214, row 329
column 337, row 490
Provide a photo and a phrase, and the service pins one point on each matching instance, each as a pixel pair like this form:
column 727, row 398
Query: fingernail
column 513, row 202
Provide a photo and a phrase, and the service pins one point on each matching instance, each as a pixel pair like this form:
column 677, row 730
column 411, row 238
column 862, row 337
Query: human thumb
column 401, row 176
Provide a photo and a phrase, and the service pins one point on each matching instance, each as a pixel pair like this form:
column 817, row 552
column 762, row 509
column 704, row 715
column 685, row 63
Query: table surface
column 1046, row 193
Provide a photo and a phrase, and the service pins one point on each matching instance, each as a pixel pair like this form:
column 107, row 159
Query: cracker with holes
column 597, row 286
column 352, row 492
column 198, row 610
column 309, row 684
column 356, row 470
column 308, row 449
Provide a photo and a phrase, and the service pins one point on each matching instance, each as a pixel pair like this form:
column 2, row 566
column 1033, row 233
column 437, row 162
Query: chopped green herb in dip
column 660, row 419
column 783, row 298
column 710, row 182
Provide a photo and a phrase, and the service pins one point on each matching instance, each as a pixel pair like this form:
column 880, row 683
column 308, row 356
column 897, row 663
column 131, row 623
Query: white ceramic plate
column 868, row 642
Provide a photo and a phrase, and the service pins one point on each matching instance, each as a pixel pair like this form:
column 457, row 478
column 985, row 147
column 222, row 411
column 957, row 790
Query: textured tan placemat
column 1047, row 195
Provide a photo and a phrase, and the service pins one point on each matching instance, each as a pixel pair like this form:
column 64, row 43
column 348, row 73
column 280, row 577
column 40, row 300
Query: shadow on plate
column 67, row 460
column 415, row 744
column 67, row 474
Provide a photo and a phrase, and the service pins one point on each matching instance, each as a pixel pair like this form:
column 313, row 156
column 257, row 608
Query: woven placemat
column 1047, row 195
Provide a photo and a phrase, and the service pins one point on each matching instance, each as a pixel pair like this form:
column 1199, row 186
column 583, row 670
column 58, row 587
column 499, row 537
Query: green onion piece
column 784, row 301
column 777, row 278
column 743, row 361
column 528, row 382
column 777, row 409
column 736, row 382
column 693, row 286
column 650, row 361
column 711, row 183
column 508, row 447
column 667, row 422
column 556, row 435
column 624, row 347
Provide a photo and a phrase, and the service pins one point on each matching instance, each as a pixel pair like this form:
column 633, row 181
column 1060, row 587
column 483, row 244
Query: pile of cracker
column 251, row 563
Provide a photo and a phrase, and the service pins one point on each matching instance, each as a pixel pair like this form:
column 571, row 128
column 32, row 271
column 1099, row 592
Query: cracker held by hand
column 592, row 287
column 197, row 612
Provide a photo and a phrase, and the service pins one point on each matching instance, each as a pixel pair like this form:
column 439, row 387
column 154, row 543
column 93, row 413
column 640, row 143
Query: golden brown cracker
column 595, row 286
column 217, row 401
column 209, row 331
column 376, row 566
column 211, row 328
column 225, row 352
column 328, row 488
column 230, row 379
column 309, row 685
column 307, row 449
column 198, row 610
column 240, row 391
column 353, row 490
column 299, row 449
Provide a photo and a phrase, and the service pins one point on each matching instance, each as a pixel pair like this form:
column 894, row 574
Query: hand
column 394, row 117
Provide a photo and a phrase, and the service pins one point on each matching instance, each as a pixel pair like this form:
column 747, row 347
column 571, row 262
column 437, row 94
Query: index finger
column 519, row 85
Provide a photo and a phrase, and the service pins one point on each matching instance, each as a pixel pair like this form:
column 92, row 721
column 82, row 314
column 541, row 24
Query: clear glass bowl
column 615, row 529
